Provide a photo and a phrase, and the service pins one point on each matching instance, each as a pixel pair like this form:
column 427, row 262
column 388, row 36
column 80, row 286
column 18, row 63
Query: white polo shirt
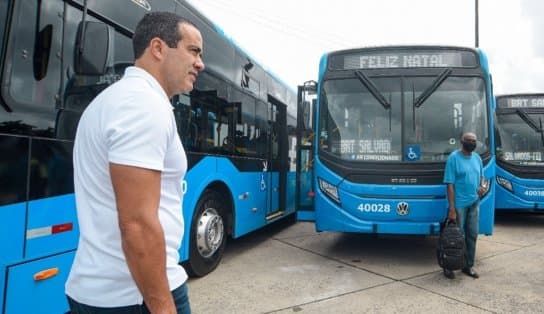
column 129, row 123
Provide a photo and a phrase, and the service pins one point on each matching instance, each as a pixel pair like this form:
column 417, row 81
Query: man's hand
column 452, row 214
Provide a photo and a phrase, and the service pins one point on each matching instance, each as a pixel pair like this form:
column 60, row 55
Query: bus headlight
column 505, row 183
column 329, row 189
column 486, row 185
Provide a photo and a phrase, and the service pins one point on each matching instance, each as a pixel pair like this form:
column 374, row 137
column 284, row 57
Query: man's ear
column 156, row 48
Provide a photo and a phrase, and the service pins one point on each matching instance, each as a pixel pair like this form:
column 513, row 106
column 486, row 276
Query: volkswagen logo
column 403, row 208
column 143, row 3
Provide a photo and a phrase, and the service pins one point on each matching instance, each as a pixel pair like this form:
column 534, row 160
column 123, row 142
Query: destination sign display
column 523, row 156
column 373, row 59
column 529, row 101
column 366, row 150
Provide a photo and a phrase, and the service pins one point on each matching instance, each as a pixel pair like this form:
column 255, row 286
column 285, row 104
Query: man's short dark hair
column 163, row 25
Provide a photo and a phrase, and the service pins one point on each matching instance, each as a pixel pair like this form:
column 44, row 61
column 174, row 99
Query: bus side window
column 262, row 129
column 185, row 121
column 243, row 117
column 79, row 89
column 33, row 68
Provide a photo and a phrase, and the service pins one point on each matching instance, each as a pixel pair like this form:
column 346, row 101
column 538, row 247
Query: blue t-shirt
column 465, row 173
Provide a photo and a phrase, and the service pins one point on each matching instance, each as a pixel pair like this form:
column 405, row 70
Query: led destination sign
column 521, row 102
column 372, row 59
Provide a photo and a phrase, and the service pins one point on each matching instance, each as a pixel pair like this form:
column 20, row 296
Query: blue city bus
column 385, row 120
column 519, row 125
column 238, row 127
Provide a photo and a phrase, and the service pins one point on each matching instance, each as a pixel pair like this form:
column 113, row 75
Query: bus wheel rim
column 210, row 232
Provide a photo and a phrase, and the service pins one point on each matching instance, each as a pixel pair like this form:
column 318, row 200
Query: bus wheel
column 208, row 235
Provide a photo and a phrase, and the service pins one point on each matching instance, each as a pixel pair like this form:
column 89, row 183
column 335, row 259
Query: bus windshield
column 424, row 122
column 3, row 19
column 521, row 138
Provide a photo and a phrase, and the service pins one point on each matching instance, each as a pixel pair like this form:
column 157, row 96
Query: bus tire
column 208, row 234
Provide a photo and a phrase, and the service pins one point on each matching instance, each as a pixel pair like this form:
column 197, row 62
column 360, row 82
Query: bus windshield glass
column 3, row 21
column 424, row 122
column 521, row 139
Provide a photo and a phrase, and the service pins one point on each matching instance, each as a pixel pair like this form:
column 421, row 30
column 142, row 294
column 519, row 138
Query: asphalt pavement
column 290, row 268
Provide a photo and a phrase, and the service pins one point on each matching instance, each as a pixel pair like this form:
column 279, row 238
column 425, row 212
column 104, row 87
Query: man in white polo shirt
column 128, row 167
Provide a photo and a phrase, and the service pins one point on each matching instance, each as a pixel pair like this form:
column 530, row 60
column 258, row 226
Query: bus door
column 306, row 101
column 276, row 163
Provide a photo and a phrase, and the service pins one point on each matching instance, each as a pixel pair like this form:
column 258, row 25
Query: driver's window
column 80, row 90
column 33, row 75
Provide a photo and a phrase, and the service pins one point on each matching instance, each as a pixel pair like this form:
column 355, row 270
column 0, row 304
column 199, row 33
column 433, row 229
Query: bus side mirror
column 92, row 45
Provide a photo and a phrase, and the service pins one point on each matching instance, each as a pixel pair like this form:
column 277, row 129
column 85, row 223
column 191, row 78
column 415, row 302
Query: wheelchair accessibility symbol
column 263, row 182
column 413, row 152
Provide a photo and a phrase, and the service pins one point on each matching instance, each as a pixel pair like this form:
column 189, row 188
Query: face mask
column 469, row 146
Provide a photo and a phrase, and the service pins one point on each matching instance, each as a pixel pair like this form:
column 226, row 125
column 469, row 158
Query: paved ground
column 289, row 268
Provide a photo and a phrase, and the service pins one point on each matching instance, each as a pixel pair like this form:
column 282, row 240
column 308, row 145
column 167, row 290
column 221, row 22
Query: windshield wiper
column 431, row 89
column 375, row 92
column 525, row 117
column 413, row 106
column 373, row 89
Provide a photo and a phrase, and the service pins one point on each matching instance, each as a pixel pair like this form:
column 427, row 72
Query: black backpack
column 451, row 247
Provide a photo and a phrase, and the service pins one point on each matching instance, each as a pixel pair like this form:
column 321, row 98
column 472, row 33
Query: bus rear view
column 386, row 120
column 520, row 152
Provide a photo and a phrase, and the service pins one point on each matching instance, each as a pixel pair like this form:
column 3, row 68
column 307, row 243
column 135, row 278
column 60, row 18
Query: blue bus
column 385, row 120
column 238, row 127
column 519, row 125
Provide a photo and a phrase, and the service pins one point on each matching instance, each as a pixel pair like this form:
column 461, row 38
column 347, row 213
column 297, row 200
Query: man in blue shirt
column 465, row 184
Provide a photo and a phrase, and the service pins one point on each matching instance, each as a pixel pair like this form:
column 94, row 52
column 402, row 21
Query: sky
column 288, row 37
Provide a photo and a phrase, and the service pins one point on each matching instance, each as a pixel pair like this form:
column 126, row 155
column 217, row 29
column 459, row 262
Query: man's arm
column 449, row 177
column 452, row 214
column 482, row 188
column 137, row 194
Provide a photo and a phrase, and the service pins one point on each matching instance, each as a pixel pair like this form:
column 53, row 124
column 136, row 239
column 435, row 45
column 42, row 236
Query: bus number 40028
column 374, row 207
